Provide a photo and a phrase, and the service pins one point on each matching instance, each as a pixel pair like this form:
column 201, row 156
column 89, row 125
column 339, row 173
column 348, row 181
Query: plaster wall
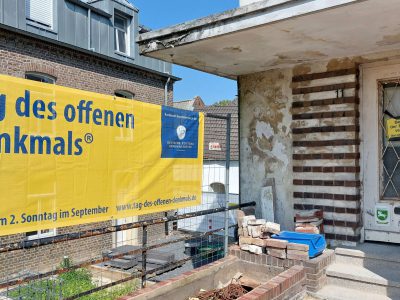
column 266, row 140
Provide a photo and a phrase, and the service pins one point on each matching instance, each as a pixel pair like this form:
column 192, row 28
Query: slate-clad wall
column 71, row 27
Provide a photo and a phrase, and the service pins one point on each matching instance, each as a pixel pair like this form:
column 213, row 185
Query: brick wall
column 315, row 269
column 326, row 154
column 20, row 54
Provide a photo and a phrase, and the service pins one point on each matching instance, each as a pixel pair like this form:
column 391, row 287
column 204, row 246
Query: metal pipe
column 13, row 282
column 89, row 28
column 134, row 276
column 166, row 91
column 227, row 164
column 144, row 255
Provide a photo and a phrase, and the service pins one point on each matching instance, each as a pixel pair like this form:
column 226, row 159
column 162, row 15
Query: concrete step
column 370, row 254
column 384, row 281
column 334, row 292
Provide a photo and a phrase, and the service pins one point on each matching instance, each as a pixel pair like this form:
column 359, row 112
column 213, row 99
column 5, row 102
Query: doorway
column 380, row 152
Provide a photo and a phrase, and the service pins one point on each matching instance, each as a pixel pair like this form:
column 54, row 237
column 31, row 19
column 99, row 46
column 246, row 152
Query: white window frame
column 124, row 94
column 116, row 38
column 39, row 21
column 46, row 78
column 40, row 234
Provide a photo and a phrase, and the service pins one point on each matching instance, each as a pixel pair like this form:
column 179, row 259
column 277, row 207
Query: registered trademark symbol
column 88, row 138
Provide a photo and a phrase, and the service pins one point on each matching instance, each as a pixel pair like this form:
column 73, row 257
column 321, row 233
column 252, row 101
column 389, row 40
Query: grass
column 70, row 284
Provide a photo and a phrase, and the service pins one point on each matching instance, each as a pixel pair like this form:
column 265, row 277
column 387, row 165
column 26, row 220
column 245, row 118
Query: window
column 34, row 235
column 121, row 34
column 390, row 146
column 40, row 11
column 124, row 94
column 40, row 77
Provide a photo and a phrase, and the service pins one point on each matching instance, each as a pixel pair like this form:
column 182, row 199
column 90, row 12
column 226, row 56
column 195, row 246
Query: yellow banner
column 70, row 157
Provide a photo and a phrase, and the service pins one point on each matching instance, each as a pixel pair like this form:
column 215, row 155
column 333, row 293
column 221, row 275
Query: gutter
column 86, row 51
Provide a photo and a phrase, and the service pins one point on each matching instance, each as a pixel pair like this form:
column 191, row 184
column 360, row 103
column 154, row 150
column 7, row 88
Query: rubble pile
column 255, row 237
column 310, row 221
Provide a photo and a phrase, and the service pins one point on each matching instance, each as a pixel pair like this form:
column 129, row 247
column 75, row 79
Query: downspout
column 166, row 91
column 89, row 27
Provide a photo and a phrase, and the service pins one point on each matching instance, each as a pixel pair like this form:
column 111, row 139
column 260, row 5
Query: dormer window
column 121, row 34
column 40, row 12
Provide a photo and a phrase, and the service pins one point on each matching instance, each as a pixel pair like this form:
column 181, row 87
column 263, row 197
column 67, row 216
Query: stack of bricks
column 255, row 237
column 255, row 234
column 310, row 221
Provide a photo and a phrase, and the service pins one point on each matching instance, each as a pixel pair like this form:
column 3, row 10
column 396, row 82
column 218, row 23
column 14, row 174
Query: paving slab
column 334, row 292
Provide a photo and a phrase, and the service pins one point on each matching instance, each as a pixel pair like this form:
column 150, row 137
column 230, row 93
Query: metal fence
column 110, row 259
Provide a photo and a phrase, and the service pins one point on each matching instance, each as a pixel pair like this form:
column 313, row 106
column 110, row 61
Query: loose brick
column 258, row 242
column 275, row 243
column 245, row 240
column 278, row 253
column 294, row 246
column 302, row 257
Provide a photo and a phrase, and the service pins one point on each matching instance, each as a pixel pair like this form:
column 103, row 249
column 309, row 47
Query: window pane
column 124, row 94
column 31, row 233
column 40, row 78
column 119, row 23
column 121, row 41
column 390, row 169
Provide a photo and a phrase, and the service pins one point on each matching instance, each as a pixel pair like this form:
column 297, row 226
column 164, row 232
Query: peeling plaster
column 266, row 146
column 264, row 129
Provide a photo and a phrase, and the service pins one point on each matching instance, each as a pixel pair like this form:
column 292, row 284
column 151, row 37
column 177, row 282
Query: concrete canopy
column 275, row 34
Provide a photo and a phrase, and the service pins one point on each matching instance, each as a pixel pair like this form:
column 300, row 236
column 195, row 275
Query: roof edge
column 209, row 20
column 99, row 55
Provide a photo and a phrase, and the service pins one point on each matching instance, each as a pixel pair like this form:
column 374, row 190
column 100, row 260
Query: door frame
column 371, row 75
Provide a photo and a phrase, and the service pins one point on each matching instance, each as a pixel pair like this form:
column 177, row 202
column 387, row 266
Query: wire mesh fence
column 110, row 259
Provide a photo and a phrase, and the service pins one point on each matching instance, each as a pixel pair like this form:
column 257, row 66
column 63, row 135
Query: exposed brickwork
column 315, row 269
column 326, row 135
column 20, row 54
column 327, row 114
column 289, row 284
column 355, row 156
column 324, row 88
column 322, row 102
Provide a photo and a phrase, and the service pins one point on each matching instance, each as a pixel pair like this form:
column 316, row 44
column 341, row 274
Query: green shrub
column 70, row 284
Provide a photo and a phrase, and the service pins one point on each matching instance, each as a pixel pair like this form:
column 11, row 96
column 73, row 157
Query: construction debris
column 310, row 221
column 255, row 237
column 231, row 292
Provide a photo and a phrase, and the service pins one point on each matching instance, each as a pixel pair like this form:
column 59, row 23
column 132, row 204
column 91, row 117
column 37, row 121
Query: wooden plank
column 313, row 76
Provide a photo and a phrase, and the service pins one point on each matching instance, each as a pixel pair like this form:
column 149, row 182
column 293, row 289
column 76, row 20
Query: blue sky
column 161, row 13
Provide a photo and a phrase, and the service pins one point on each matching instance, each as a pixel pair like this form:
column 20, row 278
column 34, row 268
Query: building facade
column 318, row 105
column 87, row 45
